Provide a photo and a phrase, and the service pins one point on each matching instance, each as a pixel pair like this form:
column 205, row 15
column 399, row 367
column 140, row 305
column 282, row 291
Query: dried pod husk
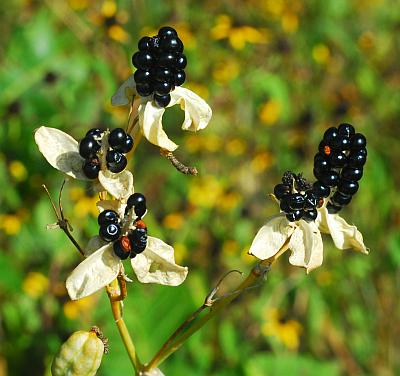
column 80, row 354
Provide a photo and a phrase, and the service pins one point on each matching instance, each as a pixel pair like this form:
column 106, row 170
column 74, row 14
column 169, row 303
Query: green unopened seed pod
column 80, row 354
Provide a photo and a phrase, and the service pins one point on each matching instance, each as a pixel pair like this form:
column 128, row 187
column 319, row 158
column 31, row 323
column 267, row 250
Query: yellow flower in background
column 35, row 284
column 290, row 22
column 226, row 71
column 117, row 33
column 74, row 309
column 235, row 147
column 270, row 112
column 181, row 252
column 18, row 170
column 286, row 332
column 10, row 224
column 174, row 221
column 108, row 8
column 205, row 192
column 321, row 54
column 261, row 162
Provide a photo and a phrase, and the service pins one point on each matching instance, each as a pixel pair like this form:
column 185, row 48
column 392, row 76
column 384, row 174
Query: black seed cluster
column 160, row 65
column 133, row 243
column 297, row 198
column 110, row 228
column 338, row 165
column 88, row 148
column 120, row 143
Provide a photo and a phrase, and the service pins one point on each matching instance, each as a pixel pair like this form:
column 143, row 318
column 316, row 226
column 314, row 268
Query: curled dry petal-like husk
column 93, row 245
column 61, row 151
column 344, row 236
column 93, row 273
column 197, row 116
column 156, row 264
column 271, row 237
column 306, row 246
column 125, row 93
column 115, row 205
column 118, row 185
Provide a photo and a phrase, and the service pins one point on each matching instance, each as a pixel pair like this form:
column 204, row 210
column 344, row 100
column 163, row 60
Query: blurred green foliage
column 277, row 73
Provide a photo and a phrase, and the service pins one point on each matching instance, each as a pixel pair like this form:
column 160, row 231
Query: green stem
column 115, row 301
column 192, row 324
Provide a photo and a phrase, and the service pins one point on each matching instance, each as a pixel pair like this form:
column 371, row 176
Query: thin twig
column 62, row 222
column 187, row 170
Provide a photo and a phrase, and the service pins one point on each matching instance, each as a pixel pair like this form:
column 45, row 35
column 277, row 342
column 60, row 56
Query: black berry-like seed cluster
column 89, row 147
column 297, row 198
column 135, row 240
column 110, row 228
column 338, row 165
column 120, row 143
column 160, row 65
column 133, row 243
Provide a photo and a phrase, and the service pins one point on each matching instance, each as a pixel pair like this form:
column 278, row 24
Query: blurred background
column 277, row 73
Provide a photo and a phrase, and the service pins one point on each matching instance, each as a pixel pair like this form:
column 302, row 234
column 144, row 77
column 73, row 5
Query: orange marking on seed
column 125, row 244
column 140, row 224
column 320, row 202
column 327, row 150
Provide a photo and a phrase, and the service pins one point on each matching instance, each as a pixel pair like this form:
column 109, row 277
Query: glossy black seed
column 330, row 134
column 88, row 147
column 162, row 88
column 113, row 156
column 167, row 31
column 142, row 60
column 94, row 132
column 145, row 43
column 281, row 190
column 91, row 168
column 321, row 162
column 337, row 159
column 180, row 77
column 321, row 190
column 162, row 74
column 346, row 129
column 126, row 146
column 120, row 251
column 310, row 201
column 351, row 173
column 144, row 89
column 116, row 137
column 310, row 215
column 181, row 62
column 138, row 238
column 162, row 100
column 284, row 204
column 166, row 59
column 358, row 141
column 333, row 209
column 339, row 199
column 294, row 215
column 135, row 200
column 296, row 201
column 171, row 44
column 118, row 166
column 142, row 75
column 318, row 174
column 341, row 143
column 110, row 232
column 357, row 158
column 330, row 178
column 106, row 217
column 347, row 187
column 140, row 210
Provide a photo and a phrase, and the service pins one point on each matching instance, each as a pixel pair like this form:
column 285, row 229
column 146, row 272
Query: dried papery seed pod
column 80, row 354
